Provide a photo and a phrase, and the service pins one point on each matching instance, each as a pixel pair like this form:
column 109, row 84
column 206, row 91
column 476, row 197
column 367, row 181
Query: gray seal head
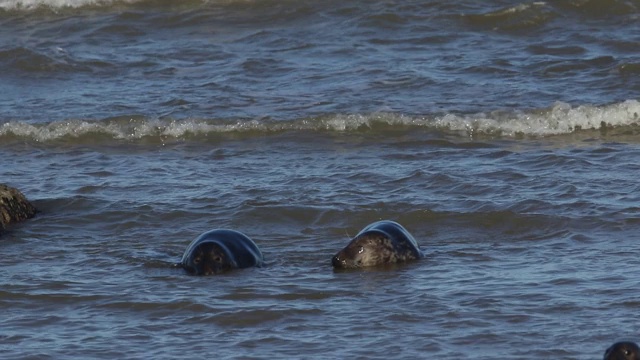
column 380, row 243
column 217, row 251
column 623, row 350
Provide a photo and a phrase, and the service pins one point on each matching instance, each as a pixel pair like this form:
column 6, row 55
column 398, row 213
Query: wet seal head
column 380, row 243
column 218, row 251
column 623, row 350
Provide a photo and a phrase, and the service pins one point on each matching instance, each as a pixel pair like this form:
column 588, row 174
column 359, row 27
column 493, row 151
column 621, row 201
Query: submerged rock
column 14, row 207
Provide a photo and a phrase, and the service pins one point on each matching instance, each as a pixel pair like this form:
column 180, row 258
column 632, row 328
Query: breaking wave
column 57, row 5
column 561, row 118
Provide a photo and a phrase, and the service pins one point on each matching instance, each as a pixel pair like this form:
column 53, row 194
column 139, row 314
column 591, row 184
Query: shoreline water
column 562, row 119
column 135, row 126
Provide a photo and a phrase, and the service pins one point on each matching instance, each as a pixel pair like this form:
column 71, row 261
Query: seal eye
column 197, row 259
column 361, row 250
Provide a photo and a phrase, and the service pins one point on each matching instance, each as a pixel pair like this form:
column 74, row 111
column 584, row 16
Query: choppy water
column 503, row 135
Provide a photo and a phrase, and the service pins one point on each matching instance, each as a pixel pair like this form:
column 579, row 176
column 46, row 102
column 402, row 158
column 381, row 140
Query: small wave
column 26, row 60
column 561, row 118
column 519, row 17
column 531, row 15
column 629, row 69
column 601, row 8
column 55, row 4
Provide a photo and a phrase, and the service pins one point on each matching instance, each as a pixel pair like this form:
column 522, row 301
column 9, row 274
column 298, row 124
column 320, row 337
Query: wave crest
column 559, row 119
column 58, row 4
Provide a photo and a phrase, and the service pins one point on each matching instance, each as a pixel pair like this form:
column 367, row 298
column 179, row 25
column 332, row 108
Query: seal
column 221, row 250
column 383, row 242
column 623, row 350
column 14, row 207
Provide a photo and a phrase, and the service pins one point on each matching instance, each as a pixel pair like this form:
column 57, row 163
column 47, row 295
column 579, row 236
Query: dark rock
column 14, row 207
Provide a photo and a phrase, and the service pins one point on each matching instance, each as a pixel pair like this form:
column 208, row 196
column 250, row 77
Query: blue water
column 503, row 135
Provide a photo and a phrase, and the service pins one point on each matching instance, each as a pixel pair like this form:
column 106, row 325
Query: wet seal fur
column 221, row 250
column 380, row 243
column 623, row 350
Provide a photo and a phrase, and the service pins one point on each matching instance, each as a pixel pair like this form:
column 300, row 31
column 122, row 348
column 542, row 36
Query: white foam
column 562, row 118
column 559, row 119
column 56, row 4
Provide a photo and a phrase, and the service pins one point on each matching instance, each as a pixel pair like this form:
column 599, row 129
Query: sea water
column 503, row 135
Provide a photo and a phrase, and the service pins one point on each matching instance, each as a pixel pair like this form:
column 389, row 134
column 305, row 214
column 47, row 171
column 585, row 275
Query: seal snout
column 383, row 242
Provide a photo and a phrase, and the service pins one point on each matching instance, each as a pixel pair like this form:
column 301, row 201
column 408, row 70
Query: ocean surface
column 504, row 135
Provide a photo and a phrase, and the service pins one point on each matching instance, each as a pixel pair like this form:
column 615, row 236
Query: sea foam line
column 58, row 4
column 562, row 118
column 559, row 119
